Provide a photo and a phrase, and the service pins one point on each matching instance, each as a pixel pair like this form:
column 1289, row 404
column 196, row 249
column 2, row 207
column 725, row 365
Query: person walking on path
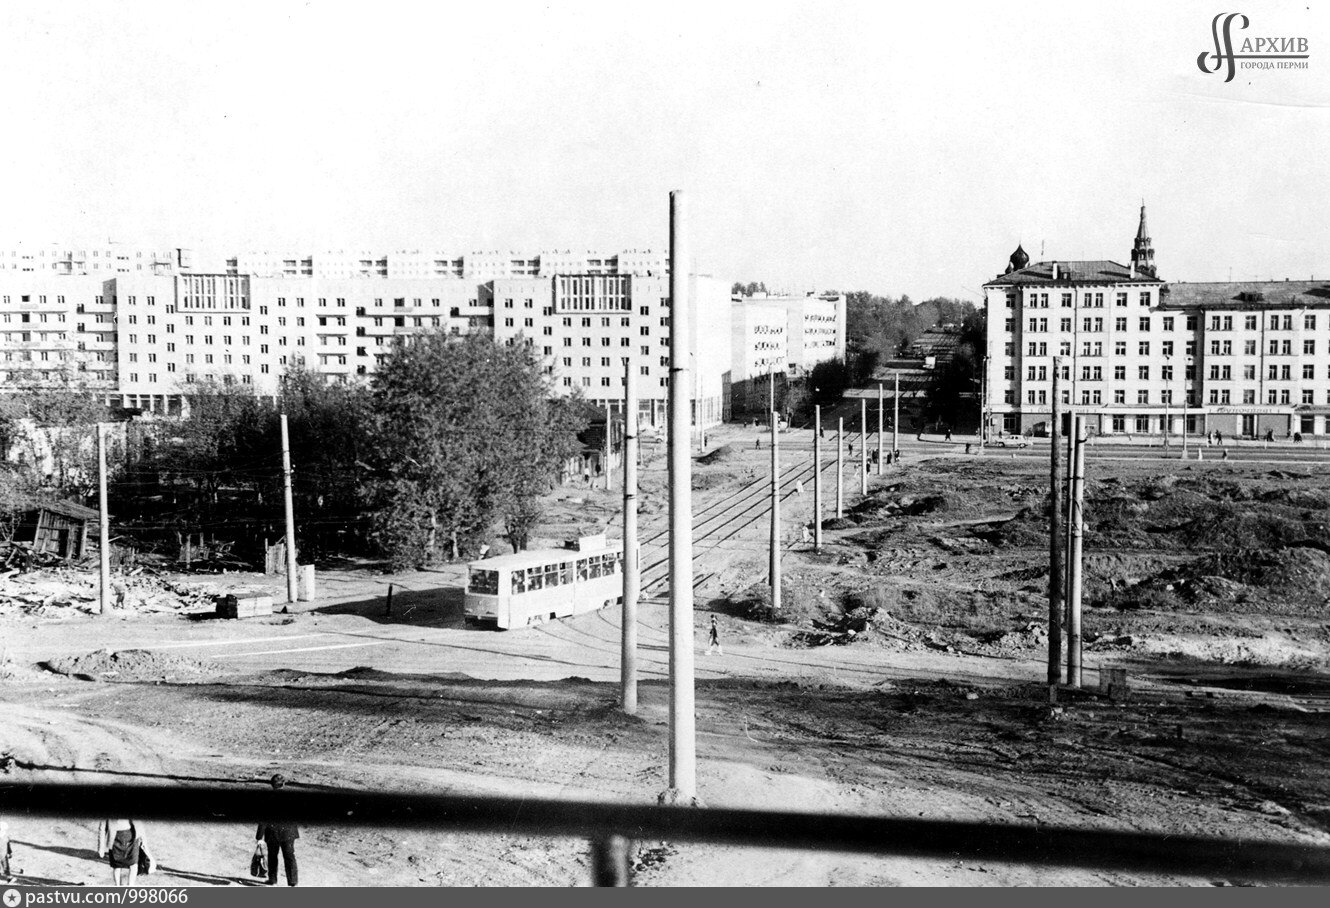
column 948, row 438
column 280, row 838
column 119, row 842
column 713, row 639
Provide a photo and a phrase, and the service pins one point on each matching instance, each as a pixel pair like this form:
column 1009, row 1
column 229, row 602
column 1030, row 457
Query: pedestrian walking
column 1219, row 437
column 586, row 476
column 851, row 449
column 758, row 444
column 6, row 854
column 119, row 841
column 948, row 438
column 713, row 639
column 280, row 839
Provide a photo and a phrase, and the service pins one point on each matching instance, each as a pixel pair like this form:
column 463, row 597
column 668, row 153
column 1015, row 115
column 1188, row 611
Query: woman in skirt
column 119, row 841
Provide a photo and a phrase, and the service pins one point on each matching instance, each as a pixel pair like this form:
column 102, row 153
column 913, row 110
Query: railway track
column 721, row 521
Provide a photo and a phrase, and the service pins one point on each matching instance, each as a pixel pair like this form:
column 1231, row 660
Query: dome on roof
column 1019, row 259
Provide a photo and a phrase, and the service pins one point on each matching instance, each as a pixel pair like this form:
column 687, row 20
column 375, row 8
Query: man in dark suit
column 280, row 837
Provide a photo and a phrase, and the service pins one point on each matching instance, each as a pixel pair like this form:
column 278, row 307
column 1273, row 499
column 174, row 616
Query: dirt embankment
column 953, row 554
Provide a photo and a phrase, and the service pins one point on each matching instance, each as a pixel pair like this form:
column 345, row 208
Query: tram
column 528, row 588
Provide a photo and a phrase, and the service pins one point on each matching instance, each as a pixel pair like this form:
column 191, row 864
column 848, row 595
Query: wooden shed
column 58, row 528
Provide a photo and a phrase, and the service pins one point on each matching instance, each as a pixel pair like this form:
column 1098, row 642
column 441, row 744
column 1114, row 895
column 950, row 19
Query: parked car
column 1011, row 441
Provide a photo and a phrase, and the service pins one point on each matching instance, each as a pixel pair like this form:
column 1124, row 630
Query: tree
column 52, row 431
column 958, row 382
column 464, row 433
column 752, row 288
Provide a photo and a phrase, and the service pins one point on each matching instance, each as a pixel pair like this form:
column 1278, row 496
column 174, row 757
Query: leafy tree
column 52, row 431
column 463, row 434
column 739, row 288
column 953, row 393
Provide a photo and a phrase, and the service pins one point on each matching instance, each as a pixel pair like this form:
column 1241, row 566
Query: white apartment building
column 812, row 331
column 1143, row 356
column 143, row 337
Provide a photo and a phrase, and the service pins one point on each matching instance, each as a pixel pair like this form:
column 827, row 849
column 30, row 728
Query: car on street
column 1011, row 441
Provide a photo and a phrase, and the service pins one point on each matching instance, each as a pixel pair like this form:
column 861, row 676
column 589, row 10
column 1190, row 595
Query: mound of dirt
column 133, row 665
column 1291, row 581
column 719, row 455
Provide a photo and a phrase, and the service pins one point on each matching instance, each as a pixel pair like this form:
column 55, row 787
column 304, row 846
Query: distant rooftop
column 1073, row 272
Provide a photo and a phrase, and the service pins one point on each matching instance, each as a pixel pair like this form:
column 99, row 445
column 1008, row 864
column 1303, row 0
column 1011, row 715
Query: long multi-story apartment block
column 1139, row 355
column 144, row 336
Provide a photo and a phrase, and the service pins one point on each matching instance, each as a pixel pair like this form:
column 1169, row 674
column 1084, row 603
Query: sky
column 827, row 145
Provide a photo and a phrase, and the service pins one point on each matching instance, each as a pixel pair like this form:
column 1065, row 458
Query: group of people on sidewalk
column 123, row 843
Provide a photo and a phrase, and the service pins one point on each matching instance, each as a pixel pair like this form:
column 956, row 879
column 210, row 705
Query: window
column 1145, row 297
column 1309, row 323
column 1309, row 347
column 1119, row 324
column 1120, row 300
column 1143, row 348
column 1143, row 373
column 1066, row 300
column 1119, row 373
column 1191, row 323
column 1249, row 323
column 1168, row 323
column 1066, row 324
column 1119, row 348
column 1249, row 347
column 1144, row 324
column 1142, row 397
column 1119, row 397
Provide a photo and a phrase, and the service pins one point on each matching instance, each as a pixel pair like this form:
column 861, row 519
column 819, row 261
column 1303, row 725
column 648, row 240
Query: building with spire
column 1141, row 356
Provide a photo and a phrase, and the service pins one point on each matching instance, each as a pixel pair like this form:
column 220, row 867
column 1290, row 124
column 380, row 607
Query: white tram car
column 531, row 587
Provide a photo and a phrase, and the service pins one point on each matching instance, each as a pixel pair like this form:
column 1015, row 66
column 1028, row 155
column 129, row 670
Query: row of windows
column 1217, row 396
column 1089, row 300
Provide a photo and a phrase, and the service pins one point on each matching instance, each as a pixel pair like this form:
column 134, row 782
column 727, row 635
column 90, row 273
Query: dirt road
column 939, row 713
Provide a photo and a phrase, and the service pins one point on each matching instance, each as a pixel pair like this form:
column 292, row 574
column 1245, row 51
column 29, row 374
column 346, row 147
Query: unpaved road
column 337, row 693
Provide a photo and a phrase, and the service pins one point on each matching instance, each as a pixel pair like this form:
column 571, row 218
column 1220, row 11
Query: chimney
column 1132, row 272
column 1055, row 271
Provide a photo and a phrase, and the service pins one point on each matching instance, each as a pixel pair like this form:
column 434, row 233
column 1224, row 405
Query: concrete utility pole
column 881, row 443
column 840, row 467
column 631, row 577
column 863, row 447
column 773, row 573
column 683, row 722
column 817, row 479
column 104, row 527
column 1068, row 475
column 1077, row 520
column 896, row 419
column 1055, row 575
column 290, row 515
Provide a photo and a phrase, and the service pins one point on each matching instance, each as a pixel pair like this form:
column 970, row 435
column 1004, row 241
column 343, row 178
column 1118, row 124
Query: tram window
column 485, row 582
column 551, row 572
column 535, row 578
column 519, row 582
column 566, row 572
column 583, row 569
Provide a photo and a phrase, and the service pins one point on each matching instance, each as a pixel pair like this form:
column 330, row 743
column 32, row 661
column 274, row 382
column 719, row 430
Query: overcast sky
column 824, row 145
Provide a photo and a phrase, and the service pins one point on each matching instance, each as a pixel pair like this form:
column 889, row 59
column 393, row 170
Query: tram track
column 723, row 520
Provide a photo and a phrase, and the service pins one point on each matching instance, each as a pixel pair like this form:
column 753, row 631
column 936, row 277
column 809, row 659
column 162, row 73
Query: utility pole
column 896, row 419
column 840, row 469
column 1055, row 575
column 609, row 446
column 290, row 515
column 104, row 527
column 631, row 577
column 881, row 453
column 1077, row 519
column 863, row 447
column 817, row 479
column 1068, row 475
column 683, row 722
column 983, row 403
column 773, row 573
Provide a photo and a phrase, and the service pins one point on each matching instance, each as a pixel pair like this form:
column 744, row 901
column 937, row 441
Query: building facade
column 143, row 335
column 1141, row 356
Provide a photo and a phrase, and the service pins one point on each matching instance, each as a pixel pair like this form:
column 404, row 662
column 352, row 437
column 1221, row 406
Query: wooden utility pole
column 881, row 443
column 631, row 577
column 609, row 447
column 683, row 722
column 863, row 447
column 896, row 418
column 983, row 404
column 817, row 479
column 1077, row 521
column 773, row 573
column 104, row 527
column 1055, row 576
column 840, row 466
column 290, row 515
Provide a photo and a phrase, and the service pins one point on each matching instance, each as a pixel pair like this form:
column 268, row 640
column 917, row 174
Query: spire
column 1142, row 253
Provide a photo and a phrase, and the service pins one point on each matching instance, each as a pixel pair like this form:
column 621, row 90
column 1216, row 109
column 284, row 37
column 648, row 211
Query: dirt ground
column 903, row 676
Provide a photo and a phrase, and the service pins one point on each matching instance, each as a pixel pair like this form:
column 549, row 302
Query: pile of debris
column 133, row 665
column 62, row 592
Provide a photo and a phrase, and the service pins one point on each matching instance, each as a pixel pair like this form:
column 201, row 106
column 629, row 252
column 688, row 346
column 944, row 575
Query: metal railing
column 611, row 827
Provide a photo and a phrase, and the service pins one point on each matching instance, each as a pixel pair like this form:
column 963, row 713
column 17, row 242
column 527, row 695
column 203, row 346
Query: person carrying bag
column 258, row 864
